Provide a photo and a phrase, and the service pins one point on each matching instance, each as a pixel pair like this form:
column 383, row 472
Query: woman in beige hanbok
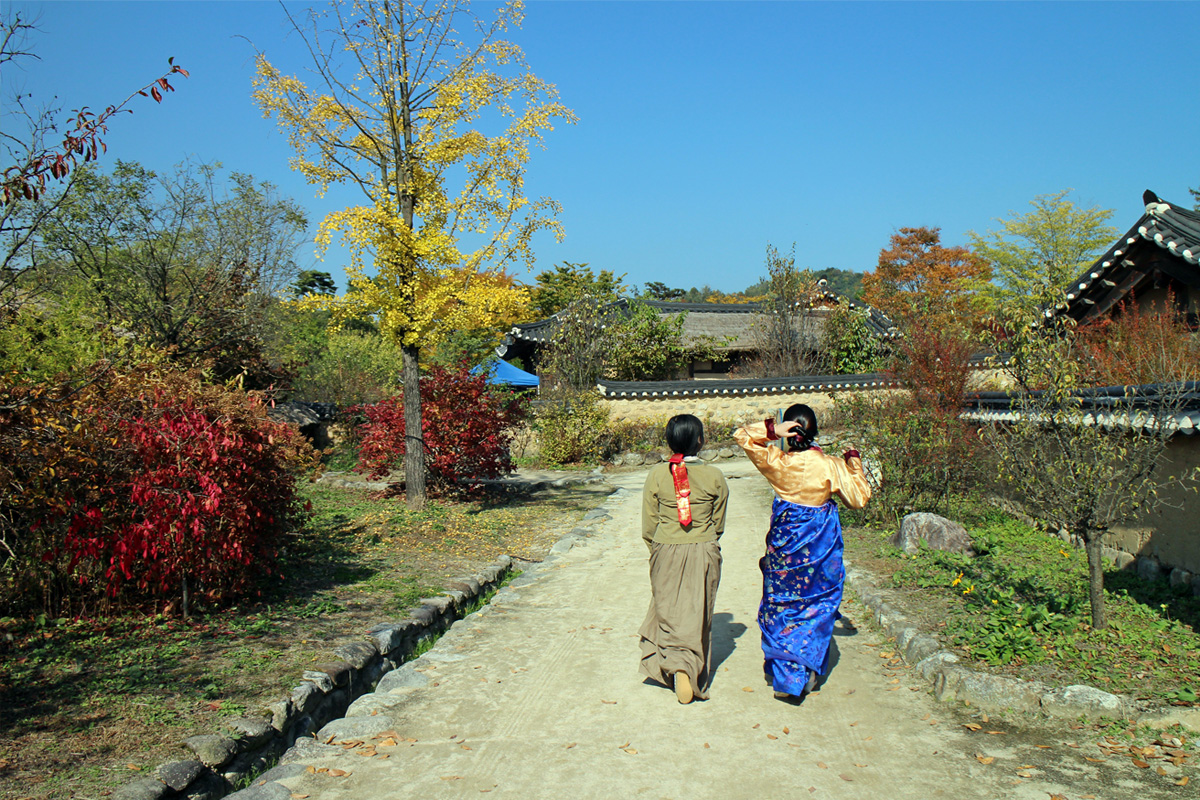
column 683, row 516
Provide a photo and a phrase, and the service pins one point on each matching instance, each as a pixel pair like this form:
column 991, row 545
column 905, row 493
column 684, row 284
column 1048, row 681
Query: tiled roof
column 715, row 388
column 1113, row 407
column 1164, row 227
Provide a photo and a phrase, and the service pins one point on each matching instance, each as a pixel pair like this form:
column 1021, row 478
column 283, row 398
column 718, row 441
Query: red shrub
column 1139, row 345
column 162, row 484
column 467, row 428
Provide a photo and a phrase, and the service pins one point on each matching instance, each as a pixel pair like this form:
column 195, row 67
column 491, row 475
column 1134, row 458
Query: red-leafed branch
column 27, row 181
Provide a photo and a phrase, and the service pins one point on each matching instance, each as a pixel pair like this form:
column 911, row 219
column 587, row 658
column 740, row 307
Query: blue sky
column 708, row 130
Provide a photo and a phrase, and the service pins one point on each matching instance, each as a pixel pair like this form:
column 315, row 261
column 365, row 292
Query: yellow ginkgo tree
column 428, row 110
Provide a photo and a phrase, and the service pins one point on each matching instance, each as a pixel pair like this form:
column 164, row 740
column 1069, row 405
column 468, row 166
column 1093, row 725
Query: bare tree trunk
column 414, row 436
column 1092, row 543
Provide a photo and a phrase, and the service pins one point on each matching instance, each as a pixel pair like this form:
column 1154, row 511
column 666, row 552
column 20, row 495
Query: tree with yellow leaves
column 407, row 88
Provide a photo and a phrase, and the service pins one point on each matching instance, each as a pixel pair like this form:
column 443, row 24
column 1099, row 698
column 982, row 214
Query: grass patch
column 89, row 704
column 1021, row 607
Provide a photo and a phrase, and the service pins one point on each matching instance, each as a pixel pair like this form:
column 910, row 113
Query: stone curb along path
column 252, row 744
column 951, row 679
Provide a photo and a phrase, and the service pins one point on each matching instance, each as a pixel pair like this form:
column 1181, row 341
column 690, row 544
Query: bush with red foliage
column 1140, row 345
column 148, row 486
column 934, row 363
column 468, row 427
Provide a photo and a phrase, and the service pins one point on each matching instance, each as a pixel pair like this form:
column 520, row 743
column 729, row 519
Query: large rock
column 935, row 531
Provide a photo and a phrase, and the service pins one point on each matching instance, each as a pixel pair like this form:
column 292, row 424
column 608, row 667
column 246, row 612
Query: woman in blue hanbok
column 802, row 569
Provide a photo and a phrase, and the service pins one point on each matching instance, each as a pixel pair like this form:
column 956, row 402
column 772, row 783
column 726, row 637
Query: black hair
column 685, row 434
column 806, row 430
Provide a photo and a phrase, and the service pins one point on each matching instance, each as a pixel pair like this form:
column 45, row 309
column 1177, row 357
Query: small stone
column 725, row 452
column 282, row 715
column 319, row 679
column 1126, row 561
column 307, row 696
column 390, row 636
column 178, row 774
column 356, row 654
column 708, row 455
column 652, row 458
column 213, row 751
column 1180, row 578
column 208, row 786
column 633, row 460
column 341, row 673
column 1077, row 699
column 144, row 789
column 440, row 604
column 1148, row 569
column 250, row 732
column 403, row 678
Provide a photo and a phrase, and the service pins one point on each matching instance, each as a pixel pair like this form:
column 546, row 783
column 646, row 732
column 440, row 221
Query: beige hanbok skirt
column 677, row 633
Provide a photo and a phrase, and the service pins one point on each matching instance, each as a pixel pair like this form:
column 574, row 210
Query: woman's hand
column 786, row 429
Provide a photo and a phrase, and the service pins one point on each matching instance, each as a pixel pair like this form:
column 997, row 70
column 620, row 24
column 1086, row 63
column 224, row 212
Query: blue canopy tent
column 502, row 372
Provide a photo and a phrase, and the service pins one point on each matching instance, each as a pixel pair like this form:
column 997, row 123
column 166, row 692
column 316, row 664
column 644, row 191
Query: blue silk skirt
column 802, row 589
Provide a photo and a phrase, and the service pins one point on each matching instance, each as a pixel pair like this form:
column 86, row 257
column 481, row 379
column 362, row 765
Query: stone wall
column 724, row 410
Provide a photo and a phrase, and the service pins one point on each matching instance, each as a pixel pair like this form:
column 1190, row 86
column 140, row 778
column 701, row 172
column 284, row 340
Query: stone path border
column 252, row 744
column 951, row 679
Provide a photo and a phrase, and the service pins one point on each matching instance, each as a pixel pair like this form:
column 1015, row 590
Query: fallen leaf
column 1058, row 797
column 982, row 759
column 755, row 727
column 984, row 717
column 812, row 789
column 1137, row 762
column 623, row 746
column 1024, row 774
column 330, row 739
column 793, row 744
column 894, row 680
column 297, row 796
column 1182, row 781
column 706, row 746
column 374, row 711
column 632, row 751
column 338, row 773
column 464, row 747
column 1093, row 760
column 868, row 738
column 452, row 777
column 995, row 733
column 609, row 702
column 385, row 755
column 785, row 730
column 851, row 691
column 844, row 776
column 568, row 747
column 747, row 689
column 860, row 766
column 822, row 765
column 1042, row 746
column 133, row 767
column 388, row 742
column 773, row 736
column 971, row 726
column 852, row 724
column 311, row 770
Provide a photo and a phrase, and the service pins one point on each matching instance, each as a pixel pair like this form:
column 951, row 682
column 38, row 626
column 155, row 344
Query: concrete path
column 538, row 695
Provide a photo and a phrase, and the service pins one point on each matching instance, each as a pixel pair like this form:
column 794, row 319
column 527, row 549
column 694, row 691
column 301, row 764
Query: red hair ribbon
column 682, row 490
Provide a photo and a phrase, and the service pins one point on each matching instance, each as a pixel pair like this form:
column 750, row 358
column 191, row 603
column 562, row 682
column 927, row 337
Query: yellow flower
column 1065, row 554
column 957, row 580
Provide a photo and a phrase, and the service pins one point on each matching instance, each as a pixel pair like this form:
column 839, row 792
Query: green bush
column 572, row 427
column 918, row 457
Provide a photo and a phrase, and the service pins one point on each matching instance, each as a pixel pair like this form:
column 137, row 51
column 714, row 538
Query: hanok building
column 1158, row 258
column 732, row 326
